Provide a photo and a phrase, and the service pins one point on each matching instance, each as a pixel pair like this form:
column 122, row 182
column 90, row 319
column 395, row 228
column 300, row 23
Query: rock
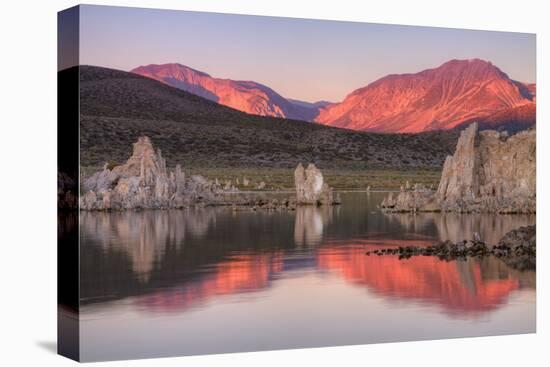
column 522, row 247
column 143, row 182
column 459, row 177
column 100, row 180
column 418, row 199
column 522, row 237
column 179, row 180
column 517, row 249
column 89, row 200
column 201, row 180
column 489, row 172
column 265, row 204
column 310, row 186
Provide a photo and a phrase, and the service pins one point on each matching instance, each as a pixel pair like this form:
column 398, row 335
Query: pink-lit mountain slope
column 450, row 95
column 246, row 96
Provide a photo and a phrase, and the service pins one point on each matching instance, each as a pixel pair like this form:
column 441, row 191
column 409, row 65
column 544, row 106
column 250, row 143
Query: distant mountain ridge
column 118, row 107
column 318, row 104
column 245, row 96
column 435, row 99
column 450, row 96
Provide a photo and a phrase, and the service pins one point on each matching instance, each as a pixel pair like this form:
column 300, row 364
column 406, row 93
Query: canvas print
column 236, row 183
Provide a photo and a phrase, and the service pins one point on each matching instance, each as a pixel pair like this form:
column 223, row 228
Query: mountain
column 435, row 99
column 512, row 119
column 118, row 107
column 245, row 96
column 451, row 95
column 316, row 105
column 531, row 89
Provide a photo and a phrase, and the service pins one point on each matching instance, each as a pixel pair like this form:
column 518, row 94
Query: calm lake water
column 164, row 283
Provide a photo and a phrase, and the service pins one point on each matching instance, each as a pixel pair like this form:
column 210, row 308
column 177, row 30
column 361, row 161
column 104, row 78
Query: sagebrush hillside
column 117, row 107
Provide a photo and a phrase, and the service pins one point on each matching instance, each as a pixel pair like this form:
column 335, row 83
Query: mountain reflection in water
column 172, row 261
column 459, row 287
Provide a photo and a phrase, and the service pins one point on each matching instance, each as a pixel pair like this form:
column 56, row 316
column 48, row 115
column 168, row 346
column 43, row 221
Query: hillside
column 441, row 98
column 117, row 107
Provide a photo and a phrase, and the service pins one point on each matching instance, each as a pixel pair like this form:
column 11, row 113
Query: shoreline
column 378, row 179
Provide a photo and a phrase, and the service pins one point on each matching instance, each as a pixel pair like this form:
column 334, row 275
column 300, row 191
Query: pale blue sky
column 299, row 58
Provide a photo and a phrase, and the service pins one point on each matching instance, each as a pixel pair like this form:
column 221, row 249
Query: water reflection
column 457, row 227
column 173, row 261
column 310, row 223
column 242, row 274
column 460, row 287
column 145, row 235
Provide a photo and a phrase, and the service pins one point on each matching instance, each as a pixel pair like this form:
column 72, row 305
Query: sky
column 309, row 60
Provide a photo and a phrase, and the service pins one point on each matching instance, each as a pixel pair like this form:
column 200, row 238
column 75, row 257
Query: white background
column 28, row 181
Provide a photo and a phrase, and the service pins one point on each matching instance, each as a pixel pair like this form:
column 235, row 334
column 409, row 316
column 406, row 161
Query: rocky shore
column 144, row 182
column 517, row 249
column 489, row 172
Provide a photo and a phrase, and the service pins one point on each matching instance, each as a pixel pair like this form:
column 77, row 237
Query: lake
column 211, row 280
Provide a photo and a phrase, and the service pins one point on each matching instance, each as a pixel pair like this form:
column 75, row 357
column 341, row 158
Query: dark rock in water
column 522, row 248
column 261, row 203
column 517, row 249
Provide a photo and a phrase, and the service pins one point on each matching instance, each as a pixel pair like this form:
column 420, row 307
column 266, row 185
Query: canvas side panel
column 68, row 183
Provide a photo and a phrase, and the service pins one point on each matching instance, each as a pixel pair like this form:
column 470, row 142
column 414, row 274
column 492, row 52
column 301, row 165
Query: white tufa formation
column 144, row 182
column 310, row 186
column 489, row 172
